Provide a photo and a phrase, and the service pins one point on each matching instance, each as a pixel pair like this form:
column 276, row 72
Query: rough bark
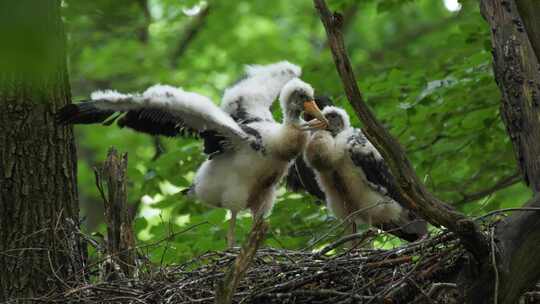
column 39, row 250
column 517, row 71
column 529, row 11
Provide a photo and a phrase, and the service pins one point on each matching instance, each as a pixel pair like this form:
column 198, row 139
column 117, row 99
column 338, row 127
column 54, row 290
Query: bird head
column 338, row 119
column 297, row 97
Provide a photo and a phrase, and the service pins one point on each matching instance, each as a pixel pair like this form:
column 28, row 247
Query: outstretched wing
column 160, row 110
column 366, row 157
column 250, row 99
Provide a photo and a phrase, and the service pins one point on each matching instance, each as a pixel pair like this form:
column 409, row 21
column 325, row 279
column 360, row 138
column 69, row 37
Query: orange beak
column 311, row 108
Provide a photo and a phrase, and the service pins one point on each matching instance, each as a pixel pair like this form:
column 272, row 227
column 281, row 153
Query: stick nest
column 419, row 272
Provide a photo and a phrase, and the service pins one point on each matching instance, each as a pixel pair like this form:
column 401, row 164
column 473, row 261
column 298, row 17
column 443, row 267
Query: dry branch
column 501, row 184
column 226, row 288
column 412, row 189
column 120, row 236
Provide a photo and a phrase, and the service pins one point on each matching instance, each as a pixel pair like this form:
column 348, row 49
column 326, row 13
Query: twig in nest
column 436, row 286
column 342, row 222
column 360, row 235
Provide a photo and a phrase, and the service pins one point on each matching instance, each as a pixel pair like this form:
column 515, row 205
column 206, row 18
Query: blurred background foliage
column 423, row 65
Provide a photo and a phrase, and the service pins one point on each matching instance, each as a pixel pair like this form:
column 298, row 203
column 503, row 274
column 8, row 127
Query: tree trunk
column 39, row 250
column 517, row 71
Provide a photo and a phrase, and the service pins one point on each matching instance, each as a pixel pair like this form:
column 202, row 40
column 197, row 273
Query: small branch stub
column 120, row 236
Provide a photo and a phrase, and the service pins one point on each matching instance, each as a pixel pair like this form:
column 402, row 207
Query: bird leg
column 230, row 232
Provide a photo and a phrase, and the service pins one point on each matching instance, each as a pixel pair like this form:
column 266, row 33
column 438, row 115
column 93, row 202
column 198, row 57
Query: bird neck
column 334, row 132
column 292, row 116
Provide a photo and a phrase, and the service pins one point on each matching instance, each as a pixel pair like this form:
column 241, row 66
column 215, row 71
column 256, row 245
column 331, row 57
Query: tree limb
column 412, row 189
column 189, row 34
column 501, row 184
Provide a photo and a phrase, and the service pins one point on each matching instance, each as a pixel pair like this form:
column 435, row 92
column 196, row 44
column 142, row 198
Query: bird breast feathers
column 282, row 141
column 321, row 152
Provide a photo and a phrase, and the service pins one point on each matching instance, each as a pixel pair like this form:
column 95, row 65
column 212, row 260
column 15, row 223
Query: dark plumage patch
column 376, row 170
column 257, row 144
column 300, row 177
column 214, row 143
column 147, row 120
column 240, row 114
column 323, row 101
column 82, row 113
column 155, row 122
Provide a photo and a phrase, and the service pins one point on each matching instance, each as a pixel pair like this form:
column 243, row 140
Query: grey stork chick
column 247, row 150
column 357, row 183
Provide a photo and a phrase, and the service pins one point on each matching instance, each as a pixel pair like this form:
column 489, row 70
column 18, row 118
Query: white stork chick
column 248, row 152
column 247, row 179
column 355, row 179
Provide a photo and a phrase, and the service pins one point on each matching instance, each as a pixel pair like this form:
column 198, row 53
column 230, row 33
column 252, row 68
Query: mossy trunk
column 39, row 249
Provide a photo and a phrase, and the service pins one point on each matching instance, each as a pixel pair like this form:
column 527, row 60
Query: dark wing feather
column 409, row 225
column 366, row 157
column 155, row 122
column 302, row 178
column 82, row 113
column 160, row 110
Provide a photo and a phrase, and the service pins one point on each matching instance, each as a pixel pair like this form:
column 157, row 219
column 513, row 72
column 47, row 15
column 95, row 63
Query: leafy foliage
column 424, row 70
